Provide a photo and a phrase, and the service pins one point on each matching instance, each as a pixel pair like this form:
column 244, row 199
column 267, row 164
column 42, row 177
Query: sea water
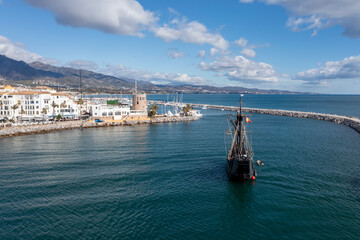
column 168, row 181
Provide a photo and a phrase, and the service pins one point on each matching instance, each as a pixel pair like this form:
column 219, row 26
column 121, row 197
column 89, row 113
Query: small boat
column 169, row 114
column 195, row 113
column 260, row 163
column 204, row 107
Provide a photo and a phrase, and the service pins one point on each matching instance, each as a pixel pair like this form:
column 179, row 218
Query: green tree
column 44, row 112
column 54, row 106
column 151, row 113
column 14, row 107
column 153, row 110
column 22, row 111
column 186, row 109
column 154, row 107
column 62, row 105
column 58, row 117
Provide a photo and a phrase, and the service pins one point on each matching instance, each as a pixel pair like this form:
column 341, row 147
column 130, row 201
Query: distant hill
column 38, row 73
column 19, row 70
column 90, row 79
column 43, row 74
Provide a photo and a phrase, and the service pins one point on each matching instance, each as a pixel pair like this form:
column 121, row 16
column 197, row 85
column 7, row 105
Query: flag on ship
column 248, row 120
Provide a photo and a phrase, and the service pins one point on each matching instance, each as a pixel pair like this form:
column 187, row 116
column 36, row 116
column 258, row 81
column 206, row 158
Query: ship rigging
column 240, row 158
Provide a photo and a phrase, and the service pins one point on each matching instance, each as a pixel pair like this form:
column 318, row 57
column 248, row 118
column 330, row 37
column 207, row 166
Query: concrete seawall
column 45, row 128
column 352, row 122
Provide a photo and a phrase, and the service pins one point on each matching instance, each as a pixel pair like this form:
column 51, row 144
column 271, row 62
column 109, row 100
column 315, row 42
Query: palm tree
column 62, row 105
column 54, row 105
column 22, row 111
column 80, row 102
column 44, row 112
column 14, row 108
column 154, row 107
column 153, row 110
column 186, row 109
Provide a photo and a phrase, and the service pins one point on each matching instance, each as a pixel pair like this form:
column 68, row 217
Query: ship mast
column 238, row 144
column 240, row 129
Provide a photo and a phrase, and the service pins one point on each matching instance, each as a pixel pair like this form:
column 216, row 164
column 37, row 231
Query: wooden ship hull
column 240, row 169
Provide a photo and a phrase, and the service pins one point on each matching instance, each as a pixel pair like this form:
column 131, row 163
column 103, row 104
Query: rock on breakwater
column 52, row 127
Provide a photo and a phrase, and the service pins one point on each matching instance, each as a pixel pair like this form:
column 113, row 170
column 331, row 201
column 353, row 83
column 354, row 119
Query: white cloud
column 241, row 42
column 190, row 32
column 306, row 23
column 241, row 69
column 248, row 52
column 348, row 68
column 213, row 51
column 122, row 71
column 83, row 64
column 126, row 17
column 246, row 1
column 201, row 54
column 175, row 54
column 17, row 51
column 322, row 13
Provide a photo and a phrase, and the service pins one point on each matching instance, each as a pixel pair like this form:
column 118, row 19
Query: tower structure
column 139, row 100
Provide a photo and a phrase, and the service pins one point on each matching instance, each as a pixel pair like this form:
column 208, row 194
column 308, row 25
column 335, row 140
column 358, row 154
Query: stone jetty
column 57, row 126
column 352, row 122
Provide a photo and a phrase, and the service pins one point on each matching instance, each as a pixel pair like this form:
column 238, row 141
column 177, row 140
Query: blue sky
column 309, row 45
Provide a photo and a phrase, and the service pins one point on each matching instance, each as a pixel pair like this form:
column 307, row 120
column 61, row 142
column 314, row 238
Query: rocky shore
column 58, row 126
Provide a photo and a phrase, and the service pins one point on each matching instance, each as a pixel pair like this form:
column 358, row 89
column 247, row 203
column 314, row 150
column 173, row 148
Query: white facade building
column 43, row 103
column 118, row 112
column 40, row 103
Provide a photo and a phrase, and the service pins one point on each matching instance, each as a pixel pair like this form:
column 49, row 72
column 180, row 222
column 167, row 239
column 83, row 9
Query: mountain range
column 38, row 73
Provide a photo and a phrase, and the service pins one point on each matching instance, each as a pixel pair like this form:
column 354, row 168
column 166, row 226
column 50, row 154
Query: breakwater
column 352, row 122
column 58, row 126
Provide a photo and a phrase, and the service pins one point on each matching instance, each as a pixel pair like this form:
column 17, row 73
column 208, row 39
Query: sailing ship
column 240, row 159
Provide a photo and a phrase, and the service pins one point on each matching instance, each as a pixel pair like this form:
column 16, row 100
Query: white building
column 117, row 112
column 40, row 103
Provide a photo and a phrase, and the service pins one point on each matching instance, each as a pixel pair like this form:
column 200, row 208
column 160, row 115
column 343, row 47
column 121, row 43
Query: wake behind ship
column 240, row 161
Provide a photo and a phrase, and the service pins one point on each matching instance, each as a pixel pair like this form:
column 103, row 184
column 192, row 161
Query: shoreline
column 14, row 131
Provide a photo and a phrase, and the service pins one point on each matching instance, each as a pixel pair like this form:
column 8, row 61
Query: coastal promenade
column 352, row 122
column 67, row 125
